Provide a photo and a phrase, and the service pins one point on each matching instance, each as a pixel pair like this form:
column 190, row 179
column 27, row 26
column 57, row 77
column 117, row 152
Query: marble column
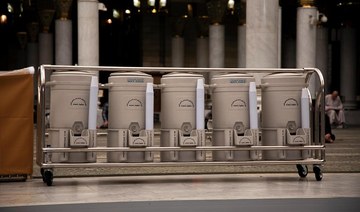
column 348, row 67
column 177, row 51
column 33, row 52
column 202, row 45
column 306, row 42
column 202, row 52
column 289, row 52
column 46, row 38
column 46, row 43
column 46, row 48
column 33, row 45
column 21, row 56
column 63, row 34
column 88, row 32
column 216, row 11
column 242, row 46
column 279, row 37
column 177, row 43
column 322, row 53
column 216, row 46
column 241, row 50
column 262, row 20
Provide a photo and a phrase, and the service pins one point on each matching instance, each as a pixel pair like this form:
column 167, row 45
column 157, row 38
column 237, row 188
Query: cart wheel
column 318, row 173
column 48, row 177
column 302, row 170
column 42, row 175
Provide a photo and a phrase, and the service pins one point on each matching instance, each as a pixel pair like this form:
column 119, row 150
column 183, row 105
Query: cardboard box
column 16, row 122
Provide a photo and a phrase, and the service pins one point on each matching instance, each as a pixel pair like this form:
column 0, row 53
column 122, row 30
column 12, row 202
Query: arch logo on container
column 134, row 103
column 291, row 103
column 76, row 102
column 186, row 104
column 238, row 104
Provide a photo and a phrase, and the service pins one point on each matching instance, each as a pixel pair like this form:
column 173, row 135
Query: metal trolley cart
column 303, row 146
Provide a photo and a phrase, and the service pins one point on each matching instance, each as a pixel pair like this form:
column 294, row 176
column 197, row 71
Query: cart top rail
column 173, row 69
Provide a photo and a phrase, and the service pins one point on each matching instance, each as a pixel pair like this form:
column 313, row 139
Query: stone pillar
column 279, row 37
column 33, row 45
column 322, row 53
column 202, row 44
column 33, row 52
column 262, row 19
column 21, row 61
column 88, row 33
column 348, row 66
column 46, row 44
column 202, row 52
column 216, row 11
column 177, row 43
column 306, row 40
column 46, row 48
column 241, row 11
column 46, row 38
column 216, row 46
column 289, row 52
column 177, row 51
column 63, row 34
column 242, row 46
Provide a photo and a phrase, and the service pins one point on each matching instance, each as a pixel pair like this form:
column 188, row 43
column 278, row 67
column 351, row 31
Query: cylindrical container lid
column 181, row 75
column 232, row 79
column 130, row 77
column 180, row 78
column 71, row 76
column 284, row 78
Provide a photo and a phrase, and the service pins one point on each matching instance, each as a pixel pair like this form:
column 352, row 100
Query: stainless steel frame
column 318, row 124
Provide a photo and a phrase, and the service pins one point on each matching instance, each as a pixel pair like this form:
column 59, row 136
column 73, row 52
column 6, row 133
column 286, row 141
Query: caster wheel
column 48, row 177
column 318, row 173
column 302, row 170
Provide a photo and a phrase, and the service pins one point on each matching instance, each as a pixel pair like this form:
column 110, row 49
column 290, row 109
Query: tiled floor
column 178, row 187
column 341, row 180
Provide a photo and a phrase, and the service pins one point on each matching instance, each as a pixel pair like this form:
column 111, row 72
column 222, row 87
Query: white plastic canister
column 69, row 103
column 281, row 109
column 230, row 110
column 126, row 111
column 178, row 109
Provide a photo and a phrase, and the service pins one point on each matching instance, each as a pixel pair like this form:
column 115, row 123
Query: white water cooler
column 231, row 116
column 285, row 115
column 130, row 116
column 69, row 115
column 182, row 116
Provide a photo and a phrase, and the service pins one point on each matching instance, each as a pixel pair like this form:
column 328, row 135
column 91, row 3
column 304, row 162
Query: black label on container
column 78, row 102
column 186, row 103
column 238, row 104
column 291, row 102
column 134, row 103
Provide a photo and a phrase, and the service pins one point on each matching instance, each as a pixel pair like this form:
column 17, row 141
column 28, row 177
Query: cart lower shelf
column 301, row 165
